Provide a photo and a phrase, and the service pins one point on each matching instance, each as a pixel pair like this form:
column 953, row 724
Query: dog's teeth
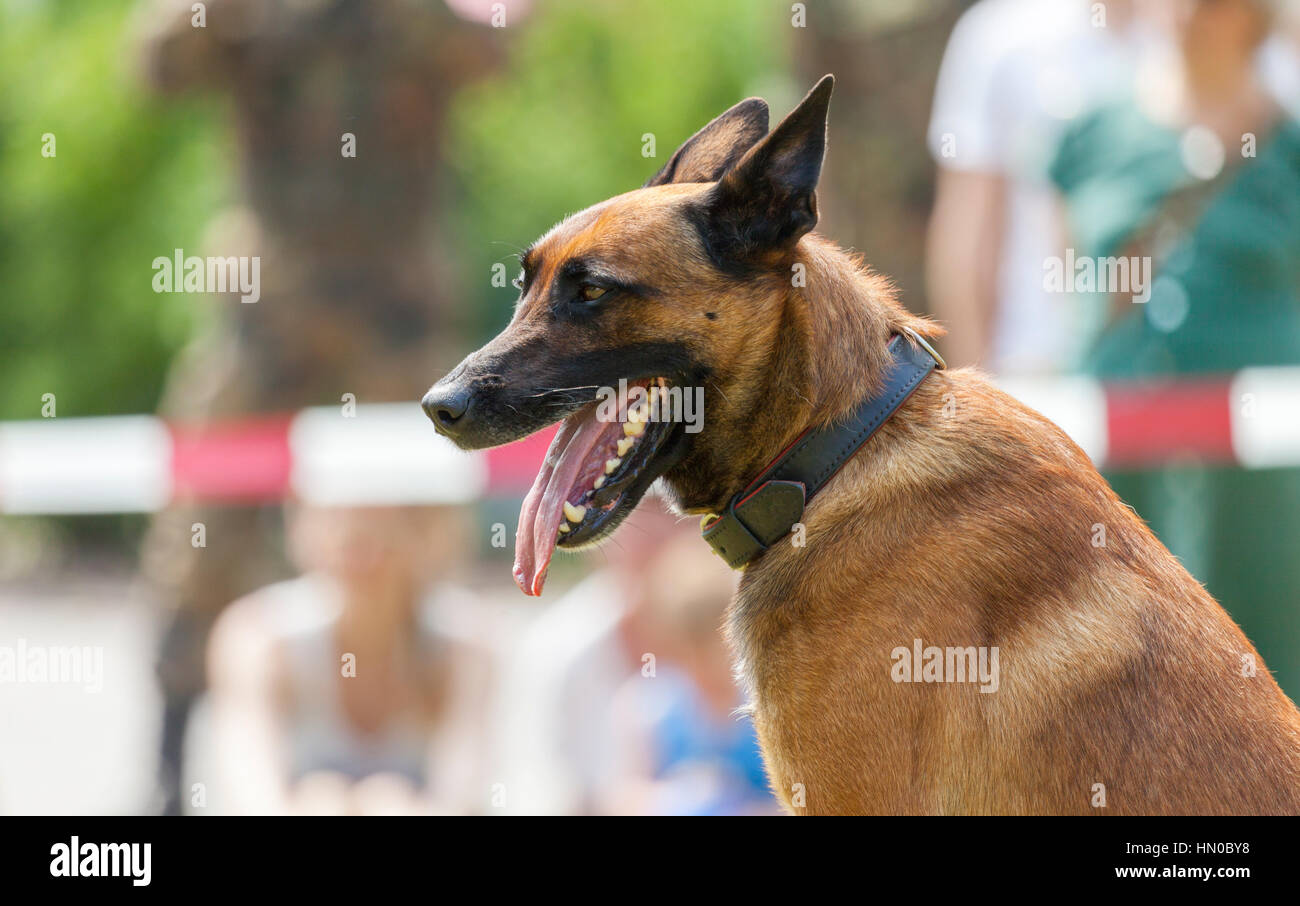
column 564, row 528
column 633, row 429
column 634, row 416
column 600, row 483
column 624, row 445
column 574, row 513
column 612, row 464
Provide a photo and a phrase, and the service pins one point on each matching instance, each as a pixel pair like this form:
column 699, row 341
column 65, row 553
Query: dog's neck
column 820, row 352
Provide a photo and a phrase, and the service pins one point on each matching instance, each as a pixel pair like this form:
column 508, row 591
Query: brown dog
column 968, row 530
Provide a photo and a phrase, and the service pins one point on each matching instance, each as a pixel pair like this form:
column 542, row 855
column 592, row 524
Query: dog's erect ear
column 769, row 198
column 714, row 150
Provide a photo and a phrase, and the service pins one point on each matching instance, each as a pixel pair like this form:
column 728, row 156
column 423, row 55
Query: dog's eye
column 589, row 293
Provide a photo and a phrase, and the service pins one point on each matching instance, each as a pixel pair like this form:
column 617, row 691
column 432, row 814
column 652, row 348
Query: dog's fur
column 967, row 520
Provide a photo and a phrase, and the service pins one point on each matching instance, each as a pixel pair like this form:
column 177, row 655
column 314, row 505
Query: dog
column 958, row 518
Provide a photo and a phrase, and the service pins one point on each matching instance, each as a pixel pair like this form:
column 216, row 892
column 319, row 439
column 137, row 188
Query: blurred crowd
column 1164, row 134
column 378, row 682
column 374, row 661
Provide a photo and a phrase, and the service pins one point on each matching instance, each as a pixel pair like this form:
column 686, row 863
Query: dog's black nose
column 446, row 406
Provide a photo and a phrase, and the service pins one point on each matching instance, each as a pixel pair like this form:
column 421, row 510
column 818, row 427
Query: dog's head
column 666, row 289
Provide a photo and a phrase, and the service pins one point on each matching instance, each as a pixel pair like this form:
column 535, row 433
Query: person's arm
column 246, row 721
column 631, row 787
column 963, row 252
column 457, row 756
column 969, row 124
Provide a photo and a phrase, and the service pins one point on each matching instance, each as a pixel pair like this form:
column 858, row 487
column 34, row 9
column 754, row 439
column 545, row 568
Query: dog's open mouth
column 595, row 471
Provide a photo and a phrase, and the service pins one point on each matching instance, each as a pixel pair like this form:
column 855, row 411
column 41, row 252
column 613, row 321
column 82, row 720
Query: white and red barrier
column 384, row 453
column 389, row 453
column 1250, row 419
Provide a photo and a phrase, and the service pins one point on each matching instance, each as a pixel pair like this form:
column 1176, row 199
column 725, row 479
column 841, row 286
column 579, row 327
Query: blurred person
column 1166, row 173
column 687, row 747
column 557, row 740
column 338, row 110
column 1015, row 73
column 361, row 687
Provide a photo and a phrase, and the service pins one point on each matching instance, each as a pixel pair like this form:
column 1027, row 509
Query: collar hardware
column 772, row 504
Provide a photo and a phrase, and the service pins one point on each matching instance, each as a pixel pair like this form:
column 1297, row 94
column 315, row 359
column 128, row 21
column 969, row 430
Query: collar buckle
column 754, row 521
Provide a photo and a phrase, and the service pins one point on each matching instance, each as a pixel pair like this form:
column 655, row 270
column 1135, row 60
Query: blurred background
column 239, row 573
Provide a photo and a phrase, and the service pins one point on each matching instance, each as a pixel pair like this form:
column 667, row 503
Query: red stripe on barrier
column 246, row 460
column 1155, row 424
column 513, row 467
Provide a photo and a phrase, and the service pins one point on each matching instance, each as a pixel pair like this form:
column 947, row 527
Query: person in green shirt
column 1198, row 168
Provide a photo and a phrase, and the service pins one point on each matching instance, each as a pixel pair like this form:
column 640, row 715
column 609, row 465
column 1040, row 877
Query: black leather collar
column 773, row 503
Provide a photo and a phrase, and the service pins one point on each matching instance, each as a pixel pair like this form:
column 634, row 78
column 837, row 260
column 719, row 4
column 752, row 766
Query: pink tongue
column 543, row 509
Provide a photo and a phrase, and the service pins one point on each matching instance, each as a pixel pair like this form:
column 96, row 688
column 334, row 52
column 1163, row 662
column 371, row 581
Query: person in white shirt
column 1014, row 74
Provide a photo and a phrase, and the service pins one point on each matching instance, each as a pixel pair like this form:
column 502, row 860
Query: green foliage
column 137, row 176
column 134, row 177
